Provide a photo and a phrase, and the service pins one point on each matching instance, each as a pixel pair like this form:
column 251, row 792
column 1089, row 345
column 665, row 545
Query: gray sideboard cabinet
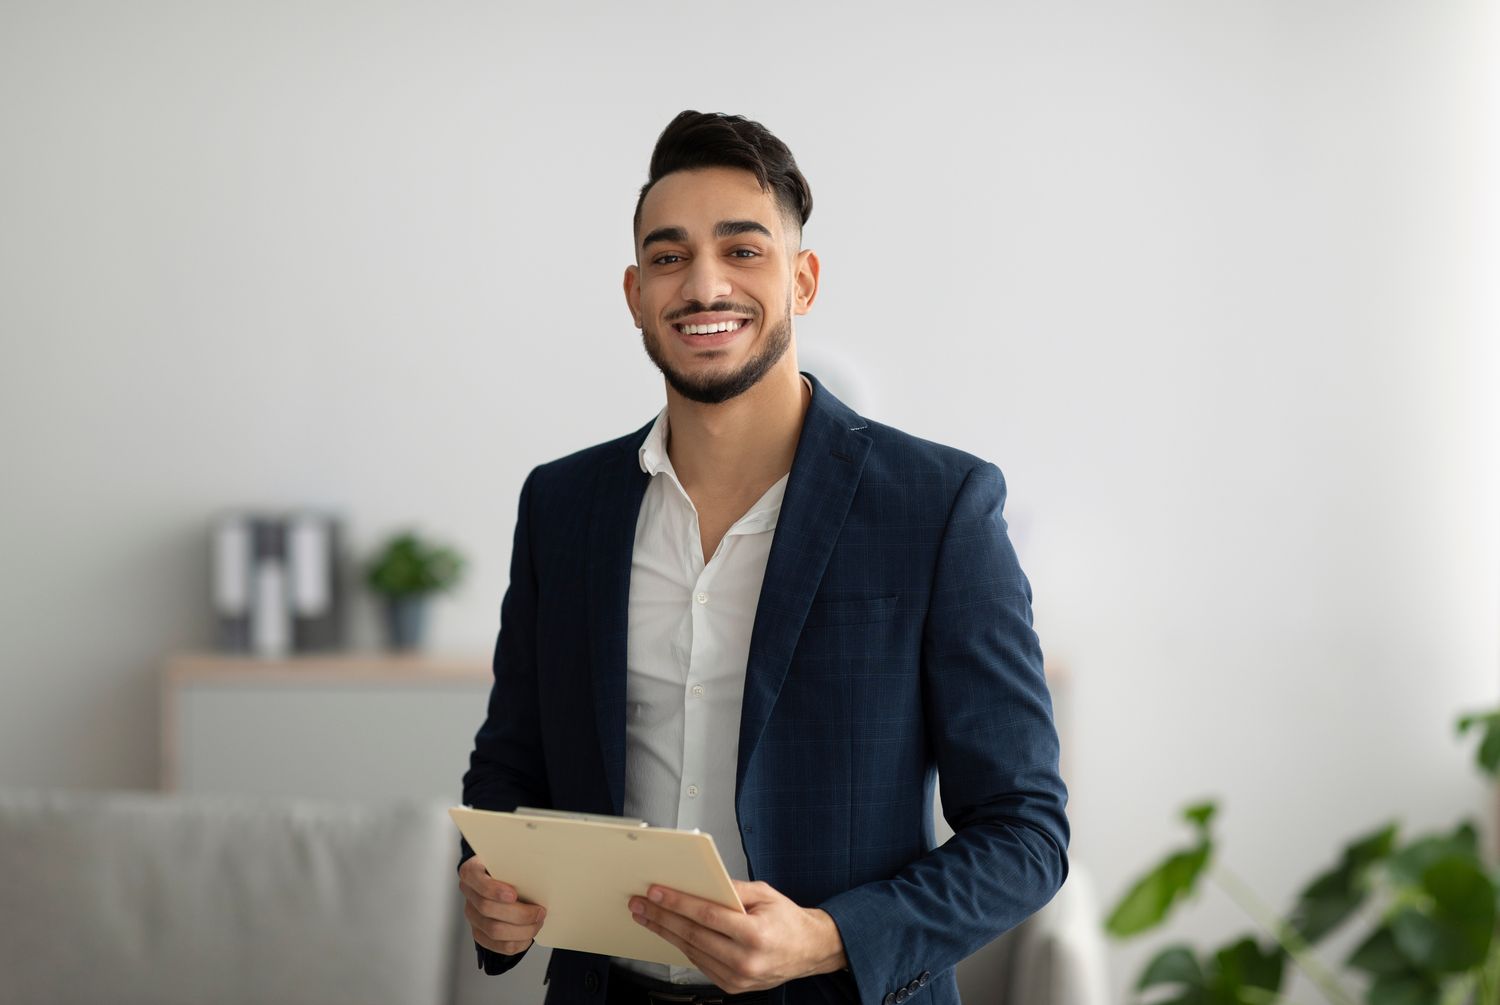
column 347, row 726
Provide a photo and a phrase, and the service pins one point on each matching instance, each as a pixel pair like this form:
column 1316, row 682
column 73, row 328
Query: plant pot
column 404, row 618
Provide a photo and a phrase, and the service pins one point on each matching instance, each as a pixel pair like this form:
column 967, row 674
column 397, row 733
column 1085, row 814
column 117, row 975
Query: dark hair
column 713, row 139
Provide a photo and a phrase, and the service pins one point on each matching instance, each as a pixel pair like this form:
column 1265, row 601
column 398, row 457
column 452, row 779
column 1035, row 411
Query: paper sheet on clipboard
column 585, row 869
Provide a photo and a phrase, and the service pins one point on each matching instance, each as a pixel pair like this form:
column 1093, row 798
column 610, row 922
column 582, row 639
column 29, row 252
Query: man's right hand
column 500, row 922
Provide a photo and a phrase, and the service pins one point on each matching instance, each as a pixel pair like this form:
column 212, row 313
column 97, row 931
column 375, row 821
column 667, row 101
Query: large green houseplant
column 1432, row 940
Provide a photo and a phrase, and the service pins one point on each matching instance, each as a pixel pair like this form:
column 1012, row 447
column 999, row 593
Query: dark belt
column 626, row 987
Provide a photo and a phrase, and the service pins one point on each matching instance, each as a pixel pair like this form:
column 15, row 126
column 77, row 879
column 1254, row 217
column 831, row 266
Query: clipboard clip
column 593, row 818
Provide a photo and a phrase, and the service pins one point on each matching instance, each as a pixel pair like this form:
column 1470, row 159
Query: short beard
column 713, row 390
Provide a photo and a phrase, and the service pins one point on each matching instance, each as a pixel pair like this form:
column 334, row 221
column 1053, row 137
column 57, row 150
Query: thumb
column 755, row 893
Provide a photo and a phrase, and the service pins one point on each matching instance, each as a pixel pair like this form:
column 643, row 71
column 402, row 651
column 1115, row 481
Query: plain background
column 1211, row 282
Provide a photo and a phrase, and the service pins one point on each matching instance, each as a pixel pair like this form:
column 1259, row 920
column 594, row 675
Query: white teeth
column 722, row 326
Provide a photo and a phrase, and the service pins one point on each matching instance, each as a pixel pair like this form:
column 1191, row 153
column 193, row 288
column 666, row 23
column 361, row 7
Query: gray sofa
column 141, row 897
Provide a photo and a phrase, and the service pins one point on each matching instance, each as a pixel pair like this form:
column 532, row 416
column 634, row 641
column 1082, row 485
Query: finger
column 703, row 940
column 499, row 930
column 501, row 927
column 499, row 895
column 713, row 968
column 477, row 877
column 474, row 876
column 755, row 893
column 514, row 914
column 494, row 895
column 728, row 920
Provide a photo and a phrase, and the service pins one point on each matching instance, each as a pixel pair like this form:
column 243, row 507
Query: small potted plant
column 404, row 572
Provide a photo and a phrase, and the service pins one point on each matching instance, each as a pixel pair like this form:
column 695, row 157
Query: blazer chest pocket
column 850, row 611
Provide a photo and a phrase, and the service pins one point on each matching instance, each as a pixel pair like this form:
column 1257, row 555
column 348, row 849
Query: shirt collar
column 654, row 461
column 653, row 451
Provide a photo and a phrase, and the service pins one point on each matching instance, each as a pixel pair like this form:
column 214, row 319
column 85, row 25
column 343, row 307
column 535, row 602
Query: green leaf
column 1409, row 989
column 1336, row 894
column 1256, row 996
column 408, row 565
column 1457, row 933
column 1462, row 890
column 1173, row 965
column 1488, row 756
column 1245, row 964
column 1325, row 905
column 1366, row 851
column 1475, row 718
column 1443, row 941
column 1149, row 901
column 1201, row 814
column 1409, row 864
column 1379, row 955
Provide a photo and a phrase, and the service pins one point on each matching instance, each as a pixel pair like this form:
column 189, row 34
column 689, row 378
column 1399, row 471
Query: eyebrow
column 724, row 228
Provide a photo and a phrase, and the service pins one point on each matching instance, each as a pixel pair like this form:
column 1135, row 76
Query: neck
column 742, row 444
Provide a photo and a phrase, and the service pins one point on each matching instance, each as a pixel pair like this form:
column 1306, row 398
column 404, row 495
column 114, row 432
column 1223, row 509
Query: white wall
column 1204, row 279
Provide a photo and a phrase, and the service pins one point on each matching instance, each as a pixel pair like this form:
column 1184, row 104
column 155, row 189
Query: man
column 765, row 616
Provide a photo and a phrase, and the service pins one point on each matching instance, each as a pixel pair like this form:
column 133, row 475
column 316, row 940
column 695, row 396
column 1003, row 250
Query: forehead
column 696, row 200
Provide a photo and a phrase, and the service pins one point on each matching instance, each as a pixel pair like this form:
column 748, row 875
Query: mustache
column 718, row 307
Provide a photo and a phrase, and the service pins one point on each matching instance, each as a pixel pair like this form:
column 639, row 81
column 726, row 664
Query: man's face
column 713, row 252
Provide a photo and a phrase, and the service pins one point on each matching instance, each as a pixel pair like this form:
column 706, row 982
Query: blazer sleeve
column 506, row 766
column 988, row 714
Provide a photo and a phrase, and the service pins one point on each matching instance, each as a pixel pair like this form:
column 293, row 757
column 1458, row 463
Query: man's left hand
column 773, row 942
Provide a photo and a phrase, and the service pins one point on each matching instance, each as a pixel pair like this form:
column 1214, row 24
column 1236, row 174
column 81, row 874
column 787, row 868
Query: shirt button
column 697, row 690
column 692, row 791
column 702, row 598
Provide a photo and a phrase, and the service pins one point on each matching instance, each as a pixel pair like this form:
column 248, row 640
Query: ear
column 805, row 281
column 633, row 292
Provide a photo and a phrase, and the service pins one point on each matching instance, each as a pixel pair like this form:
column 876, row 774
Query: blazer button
column 926, row 976
column 890, row 999
column 591, row 982
column 911, row 988
column 901, row 995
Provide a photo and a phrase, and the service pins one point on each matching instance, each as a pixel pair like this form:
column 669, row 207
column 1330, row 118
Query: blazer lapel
column 616, row 504
column 825, row 472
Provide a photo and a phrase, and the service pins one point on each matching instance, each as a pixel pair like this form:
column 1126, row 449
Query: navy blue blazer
column 892, row 645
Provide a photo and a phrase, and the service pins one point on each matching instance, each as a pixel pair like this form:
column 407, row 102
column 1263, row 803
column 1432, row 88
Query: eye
column 661, row 259
column 752, row 253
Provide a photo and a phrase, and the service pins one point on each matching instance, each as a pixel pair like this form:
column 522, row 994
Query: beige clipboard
column 585, row 868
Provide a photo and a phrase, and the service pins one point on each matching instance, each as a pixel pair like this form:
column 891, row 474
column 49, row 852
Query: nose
column 706, row 280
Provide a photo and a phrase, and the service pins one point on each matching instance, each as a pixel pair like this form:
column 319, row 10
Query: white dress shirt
column 688, row 640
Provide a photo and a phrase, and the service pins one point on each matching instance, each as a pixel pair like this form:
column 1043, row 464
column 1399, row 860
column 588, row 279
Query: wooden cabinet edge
column 374, row 667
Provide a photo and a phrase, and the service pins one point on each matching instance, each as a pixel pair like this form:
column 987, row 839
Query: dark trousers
column 629, row 988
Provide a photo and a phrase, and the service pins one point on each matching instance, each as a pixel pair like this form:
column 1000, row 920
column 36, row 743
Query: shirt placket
column 701, row 653
column 698, row 645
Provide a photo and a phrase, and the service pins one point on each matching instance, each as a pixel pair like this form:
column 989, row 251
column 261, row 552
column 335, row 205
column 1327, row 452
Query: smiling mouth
column 713, row 329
